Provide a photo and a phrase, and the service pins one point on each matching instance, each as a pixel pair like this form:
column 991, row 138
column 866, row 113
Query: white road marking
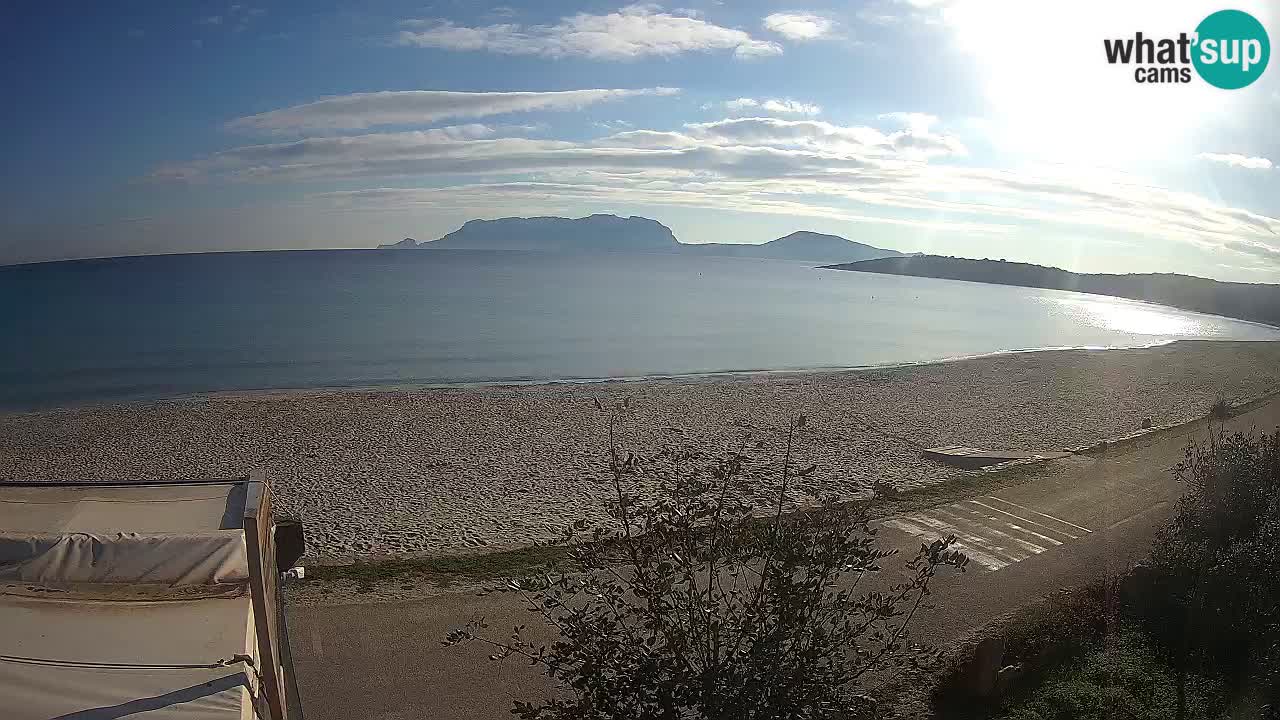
column 976, row 555
column 977, row 536
column 1030, row 546
column 970, row 538
column 990, row 562
column 1037, row 512
column 1019, row 528
column 1025, row 520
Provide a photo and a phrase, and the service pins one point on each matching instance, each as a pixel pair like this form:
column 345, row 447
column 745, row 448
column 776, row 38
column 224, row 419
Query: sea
column 142, row 328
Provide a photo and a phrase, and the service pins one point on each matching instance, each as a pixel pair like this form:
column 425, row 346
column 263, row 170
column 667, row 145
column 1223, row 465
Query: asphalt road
column 1086, row 516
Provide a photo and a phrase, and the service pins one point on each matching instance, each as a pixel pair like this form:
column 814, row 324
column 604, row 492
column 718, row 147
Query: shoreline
column 697, row 376
column 709, row 375
column 396, row 472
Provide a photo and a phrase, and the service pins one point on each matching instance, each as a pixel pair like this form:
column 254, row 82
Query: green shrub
column 1214, row 579
column 1124, row 679
column 1039, row 640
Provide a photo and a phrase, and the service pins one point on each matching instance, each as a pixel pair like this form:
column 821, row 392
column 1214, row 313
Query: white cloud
column 741, row 147
column 1237, row 160
column 632, row 32
column 613, row 125
column 874, row 16
column 923, row 144
column 415, row 107
column 481, row 198
column 773, row 106
column 237, row 17
column 790, row 107
column 753, row 164
column 917, row 136
column 911, row 144
column 798, row 26
column 917, row 121
column 773, row 132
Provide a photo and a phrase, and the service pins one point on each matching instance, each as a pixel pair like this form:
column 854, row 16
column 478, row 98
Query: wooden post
column 264, row 579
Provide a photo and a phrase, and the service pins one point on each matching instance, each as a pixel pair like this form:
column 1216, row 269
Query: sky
column 976, row 128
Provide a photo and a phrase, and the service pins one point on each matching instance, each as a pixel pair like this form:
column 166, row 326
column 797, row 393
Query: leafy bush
column 1125, row 679
column 1214, row 588
column 1037, row 641
column 693, row 604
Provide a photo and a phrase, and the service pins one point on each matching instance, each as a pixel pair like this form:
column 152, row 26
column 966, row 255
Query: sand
column 462, row 469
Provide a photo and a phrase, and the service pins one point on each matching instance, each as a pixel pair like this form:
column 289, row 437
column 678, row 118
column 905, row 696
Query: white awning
column 139, row 508
column 91, row 660
column 214, row 558
column 127, row 602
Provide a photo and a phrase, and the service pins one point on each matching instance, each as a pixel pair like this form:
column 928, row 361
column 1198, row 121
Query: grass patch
column 962, row 485
column 443, row 568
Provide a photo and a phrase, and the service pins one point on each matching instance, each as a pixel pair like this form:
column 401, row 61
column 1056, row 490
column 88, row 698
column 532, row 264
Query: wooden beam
column 264, row 578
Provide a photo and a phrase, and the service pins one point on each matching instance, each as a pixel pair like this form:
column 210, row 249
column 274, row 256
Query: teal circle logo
column 1232, row 49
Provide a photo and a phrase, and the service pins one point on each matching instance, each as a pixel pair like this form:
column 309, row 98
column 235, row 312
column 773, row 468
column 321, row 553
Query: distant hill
column 802, row 245
column 556, row 234
column 405, row 244
column 632, row 234
column 1256, row 302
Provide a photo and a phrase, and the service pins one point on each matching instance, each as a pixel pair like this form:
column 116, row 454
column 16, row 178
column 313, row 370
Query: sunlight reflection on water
column 1133, row 317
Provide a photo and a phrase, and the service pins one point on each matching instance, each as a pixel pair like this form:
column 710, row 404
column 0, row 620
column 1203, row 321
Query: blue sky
column 983, row 128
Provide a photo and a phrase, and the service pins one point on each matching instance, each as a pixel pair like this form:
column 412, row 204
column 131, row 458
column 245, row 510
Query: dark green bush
column 1211, row 593
column 1124, row 679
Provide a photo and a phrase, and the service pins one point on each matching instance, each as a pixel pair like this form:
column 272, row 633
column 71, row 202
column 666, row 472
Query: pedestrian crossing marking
column 973, row 540
column 991, row 536
column 1025, row 520
column 1037, row 512
column 1019, row 528
column 1035, row 549
column 974, row 554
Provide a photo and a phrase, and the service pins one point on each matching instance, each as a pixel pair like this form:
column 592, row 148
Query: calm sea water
column 138, row 328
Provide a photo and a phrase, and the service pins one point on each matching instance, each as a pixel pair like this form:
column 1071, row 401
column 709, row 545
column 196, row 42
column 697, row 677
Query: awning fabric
column 91, row 660
column 177, row 508
column 210, row 558
column 126, row 602
column 43, row 693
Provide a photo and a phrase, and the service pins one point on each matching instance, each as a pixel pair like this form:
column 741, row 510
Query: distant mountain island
column 557, row 234
column 1246, row 301
column 610, row 233
column 802, row 245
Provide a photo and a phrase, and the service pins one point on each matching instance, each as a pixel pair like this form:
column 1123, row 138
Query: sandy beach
column 460, row 469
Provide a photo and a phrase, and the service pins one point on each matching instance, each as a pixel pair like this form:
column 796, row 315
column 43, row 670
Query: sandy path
column 376, row 472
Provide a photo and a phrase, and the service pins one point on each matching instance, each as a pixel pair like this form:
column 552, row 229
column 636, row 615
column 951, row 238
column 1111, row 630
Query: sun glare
column 1052, row 91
